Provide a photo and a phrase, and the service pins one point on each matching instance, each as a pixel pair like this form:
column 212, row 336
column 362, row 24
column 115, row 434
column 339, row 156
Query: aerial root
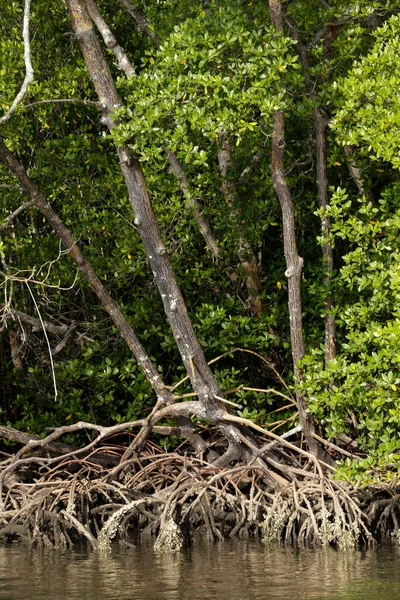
column 180, row 498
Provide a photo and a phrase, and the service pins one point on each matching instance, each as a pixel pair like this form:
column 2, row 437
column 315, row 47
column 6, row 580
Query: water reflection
column 228, row 571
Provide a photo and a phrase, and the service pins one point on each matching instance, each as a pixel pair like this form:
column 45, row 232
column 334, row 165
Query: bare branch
column 141, row 21
column 36, row 324
column 65, row 339
column 16, row 212
column 193, row 204
column 123, row 61
column 355, row 173
column 254, row 161
column 28, row 65
column 62, row 100
column 47, row 341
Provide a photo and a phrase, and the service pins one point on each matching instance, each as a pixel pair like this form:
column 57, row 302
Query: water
column 231, row 570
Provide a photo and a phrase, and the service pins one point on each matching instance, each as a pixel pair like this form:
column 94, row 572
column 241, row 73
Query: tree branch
column 164, row 395
column 62, row 100
column 28, row 65
column 123, row 61
column 192, row 203
column 355, row 173
column 16, row 212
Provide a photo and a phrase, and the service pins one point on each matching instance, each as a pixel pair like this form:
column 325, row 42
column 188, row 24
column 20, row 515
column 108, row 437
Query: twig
column 228, row 353
column 62, row 100
column 268, row 391
column 334, row 447
column 47, row 341
column 28, row 65
column 228, row 402
column 16, row 212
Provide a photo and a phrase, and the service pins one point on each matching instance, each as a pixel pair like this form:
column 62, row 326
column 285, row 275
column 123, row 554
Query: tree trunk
column 322, row 191
column 202, row 378
column 127, row 333
column 193, row 205
column 175, row 165
column 327, row 250
column 294, row 263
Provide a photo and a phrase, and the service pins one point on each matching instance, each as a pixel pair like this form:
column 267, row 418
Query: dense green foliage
column 219, row 71
column 369, row 117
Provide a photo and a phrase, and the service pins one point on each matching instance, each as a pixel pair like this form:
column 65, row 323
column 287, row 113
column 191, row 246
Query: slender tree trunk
column 294, row 263
column 322, row 191
column 126, row 66
column 248, row 261
column 193, row 205
column 246, row 255
column 327, row 250
column 164, row 396
column 202, row 378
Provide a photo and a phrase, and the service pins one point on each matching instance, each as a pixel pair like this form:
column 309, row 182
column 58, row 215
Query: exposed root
column 170, row 538
column 283, row 493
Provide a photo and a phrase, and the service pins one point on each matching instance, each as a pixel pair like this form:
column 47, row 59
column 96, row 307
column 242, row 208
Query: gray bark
column 202, row 378
column 320, row 124
column 294, row 263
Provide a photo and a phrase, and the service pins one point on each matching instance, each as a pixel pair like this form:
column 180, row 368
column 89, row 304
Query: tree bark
column 202, row 378
column 356, row 175
column 127, row 333
column 322, row 191
column 327, row 250
column 123, row 61
column 294, row 263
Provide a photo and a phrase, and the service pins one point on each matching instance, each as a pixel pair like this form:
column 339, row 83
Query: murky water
column 234, row 569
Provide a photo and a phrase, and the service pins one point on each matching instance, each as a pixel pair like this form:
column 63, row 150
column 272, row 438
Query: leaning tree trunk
column 294, row 263
column 202, row 378
column 164, row 395
column 175, row 165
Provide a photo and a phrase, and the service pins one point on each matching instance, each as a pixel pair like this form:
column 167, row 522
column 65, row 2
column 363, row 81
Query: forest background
column 201, row 88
